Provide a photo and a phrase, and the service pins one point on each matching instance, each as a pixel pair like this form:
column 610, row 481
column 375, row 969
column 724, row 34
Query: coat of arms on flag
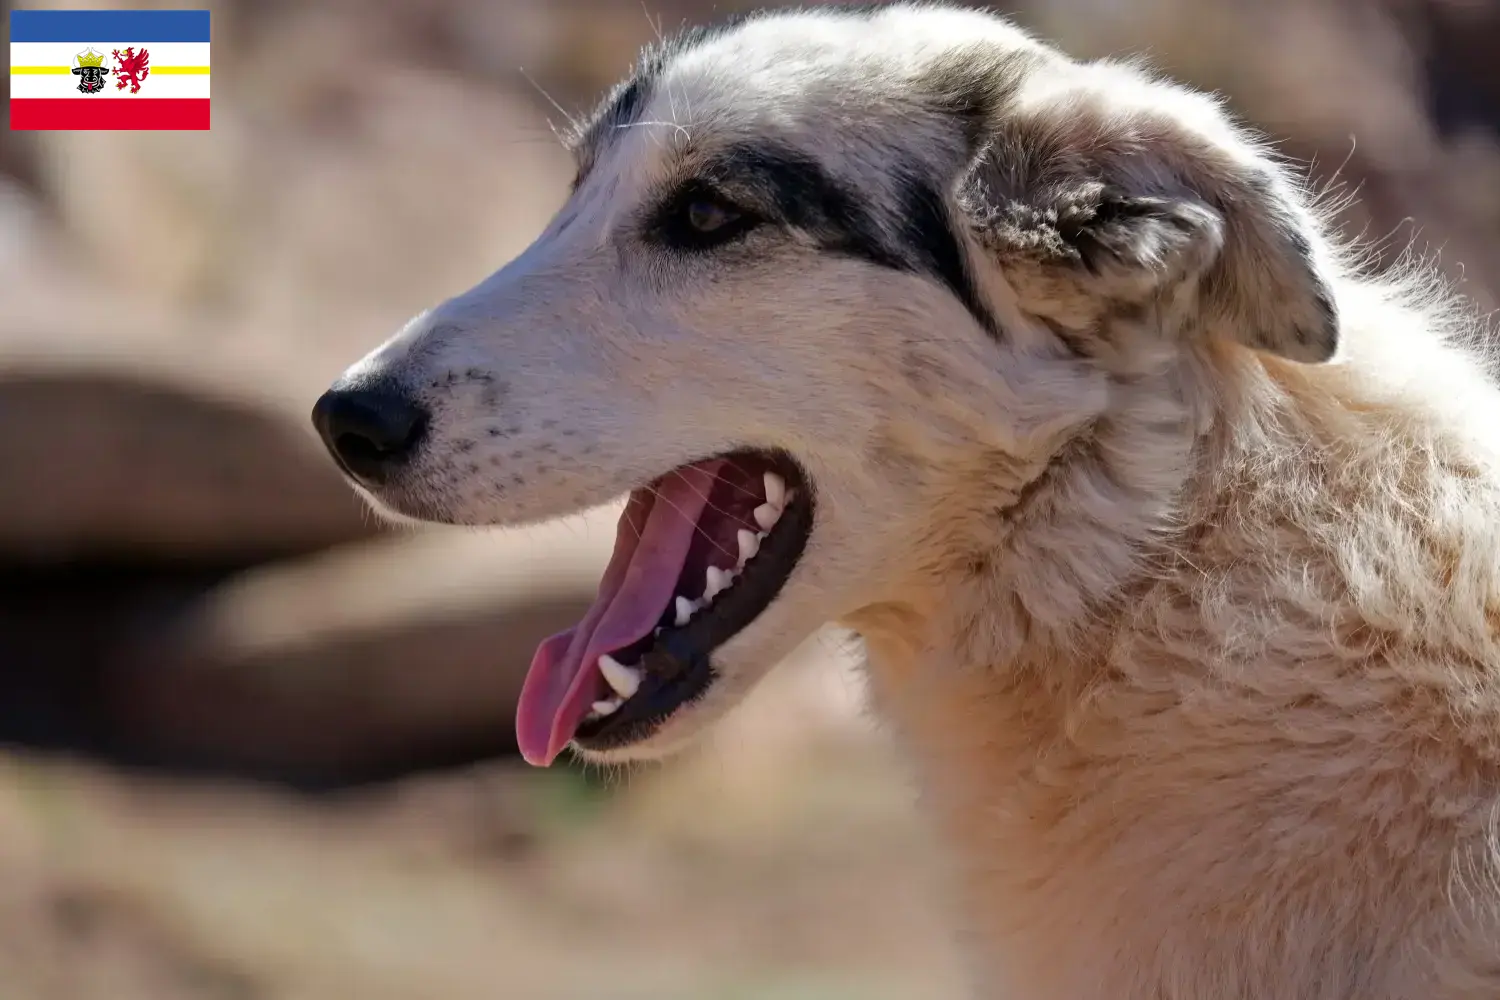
column 109, row 69
column 89, row 67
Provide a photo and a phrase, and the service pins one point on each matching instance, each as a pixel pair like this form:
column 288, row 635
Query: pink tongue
column 640, row 581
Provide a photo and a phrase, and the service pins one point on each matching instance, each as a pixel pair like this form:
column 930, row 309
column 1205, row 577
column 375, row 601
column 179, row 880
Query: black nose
column 370, row 429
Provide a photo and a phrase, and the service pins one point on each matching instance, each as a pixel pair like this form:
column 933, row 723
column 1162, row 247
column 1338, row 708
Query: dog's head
column 830, row 285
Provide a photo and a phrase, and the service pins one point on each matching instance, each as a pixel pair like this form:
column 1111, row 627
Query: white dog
column 1024, row 368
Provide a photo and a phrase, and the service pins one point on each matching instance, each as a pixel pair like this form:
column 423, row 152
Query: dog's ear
column 1149, row 194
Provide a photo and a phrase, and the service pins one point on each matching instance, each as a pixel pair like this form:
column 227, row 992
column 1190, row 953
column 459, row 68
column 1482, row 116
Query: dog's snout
column 370, row 429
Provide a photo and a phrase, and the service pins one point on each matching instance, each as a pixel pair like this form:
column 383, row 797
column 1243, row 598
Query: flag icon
column 109, row 69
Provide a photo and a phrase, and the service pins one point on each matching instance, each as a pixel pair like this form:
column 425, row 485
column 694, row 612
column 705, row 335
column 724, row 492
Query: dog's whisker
column 694, row 522
column 707, row 499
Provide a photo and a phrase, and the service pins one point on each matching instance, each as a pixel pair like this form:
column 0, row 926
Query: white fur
column 1192, row 638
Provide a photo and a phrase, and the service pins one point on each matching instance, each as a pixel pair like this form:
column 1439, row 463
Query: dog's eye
column 707, row 216
column 700, row 219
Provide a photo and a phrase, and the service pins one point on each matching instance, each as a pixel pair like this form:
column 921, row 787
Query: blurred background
column 252, row 744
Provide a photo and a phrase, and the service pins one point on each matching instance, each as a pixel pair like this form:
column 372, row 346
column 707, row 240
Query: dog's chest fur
column 1164, row 836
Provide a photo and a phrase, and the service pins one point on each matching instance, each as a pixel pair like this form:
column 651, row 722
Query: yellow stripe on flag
column 65, row 70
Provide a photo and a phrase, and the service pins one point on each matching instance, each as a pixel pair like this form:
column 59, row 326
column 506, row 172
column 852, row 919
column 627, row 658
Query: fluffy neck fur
column 1135, row 774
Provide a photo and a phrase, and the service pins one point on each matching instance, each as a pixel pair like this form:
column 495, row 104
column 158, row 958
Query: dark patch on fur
column 618, row 109
column 784, row 186
column 1299, row 245
column 776, row 183
column 792, row 188
column 628, row 100
column 1328, row 311
column 780, row 185
column 931, row 243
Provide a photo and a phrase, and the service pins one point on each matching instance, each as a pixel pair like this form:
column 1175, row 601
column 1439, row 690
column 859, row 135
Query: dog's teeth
column 685, row 609
column 716, row 580
column 625, row 680
column 790, row 496
column 749, row 543
column 766, row 515
column 609, row 707
column 775, row 490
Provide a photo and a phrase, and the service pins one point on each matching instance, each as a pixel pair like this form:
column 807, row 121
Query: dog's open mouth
column 699, row 554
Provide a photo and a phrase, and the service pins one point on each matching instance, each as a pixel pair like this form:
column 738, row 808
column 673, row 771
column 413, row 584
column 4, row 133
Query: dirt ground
column 785, row 861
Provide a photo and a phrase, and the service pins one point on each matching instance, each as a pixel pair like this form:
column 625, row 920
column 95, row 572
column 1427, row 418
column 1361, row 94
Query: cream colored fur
column 1191, row 636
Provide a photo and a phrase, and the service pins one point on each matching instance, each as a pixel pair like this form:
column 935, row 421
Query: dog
column 1172, row 534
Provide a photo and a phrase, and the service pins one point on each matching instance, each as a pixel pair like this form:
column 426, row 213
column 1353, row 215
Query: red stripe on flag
column 53, row 113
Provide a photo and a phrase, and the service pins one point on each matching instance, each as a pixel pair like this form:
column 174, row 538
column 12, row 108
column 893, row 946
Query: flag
column 109, row 69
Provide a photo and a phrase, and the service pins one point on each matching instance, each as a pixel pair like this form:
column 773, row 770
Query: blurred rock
column 109, row 463
column 61, row 628
column 364, row 660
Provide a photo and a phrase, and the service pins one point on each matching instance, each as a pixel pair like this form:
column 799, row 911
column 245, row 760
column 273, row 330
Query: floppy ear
column 1123, row 208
